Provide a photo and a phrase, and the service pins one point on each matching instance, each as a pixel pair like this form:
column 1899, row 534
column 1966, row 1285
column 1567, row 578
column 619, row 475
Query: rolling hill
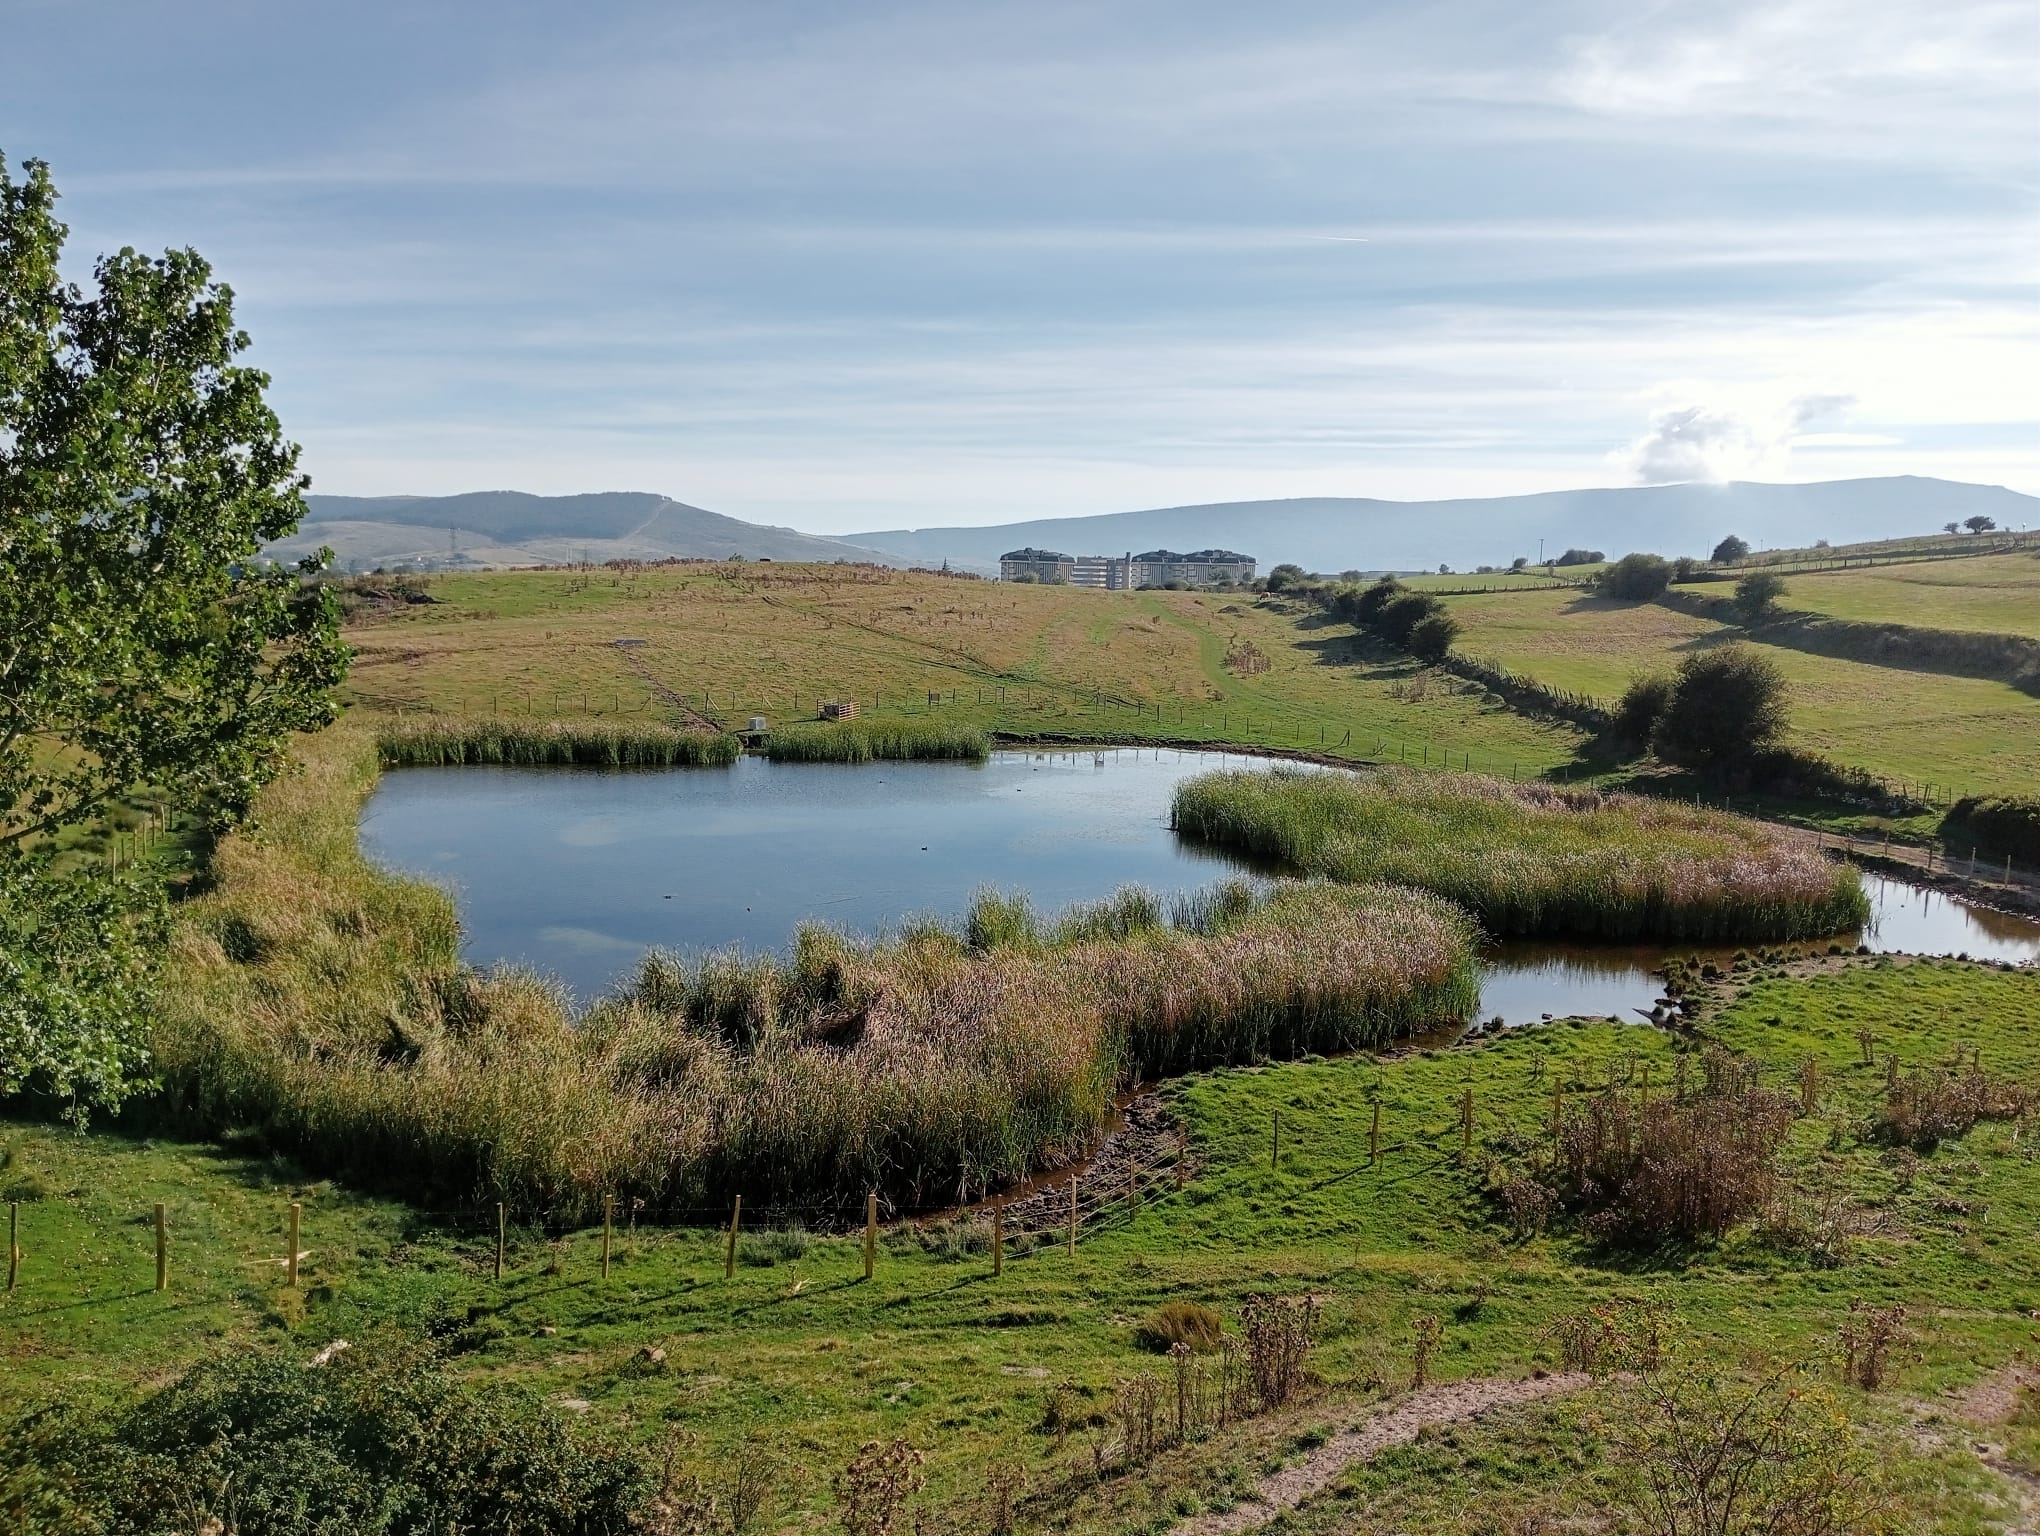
column 511, row 528
column 1334, row 533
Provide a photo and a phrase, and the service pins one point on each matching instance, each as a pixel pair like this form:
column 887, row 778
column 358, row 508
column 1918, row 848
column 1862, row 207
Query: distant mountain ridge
column 513, row 528
column 1320, row 533
column 1335, row 533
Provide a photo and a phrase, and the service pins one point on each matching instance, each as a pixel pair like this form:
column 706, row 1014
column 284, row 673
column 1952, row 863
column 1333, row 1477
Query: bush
column 380, row 1442
column 1284, row 576
column 1674, row 1171
column 1641, row 707
column 1580, row 557
column 1431, row 636
column 1636, row 578
column 1402, row 613
column 1726, row 705
column 1997, row 824
column 1730, row 550
column 1756, row 596
column 1180, row 1322
column 1366, row 605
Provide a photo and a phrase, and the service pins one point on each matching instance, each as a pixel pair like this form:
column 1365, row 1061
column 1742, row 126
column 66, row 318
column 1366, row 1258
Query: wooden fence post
column 998, row 1234
column 608, row 1212
column 502, row 1228
column 1374, row 1137
column 870, row 1232
column 297, row 1212
column 13, row 1242
column 729, row 1267
column 162, row 1247
column 1073, row 1216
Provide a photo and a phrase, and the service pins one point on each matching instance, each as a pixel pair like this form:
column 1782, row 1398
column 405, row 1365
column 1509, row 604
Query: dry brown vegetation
column 322, row 1004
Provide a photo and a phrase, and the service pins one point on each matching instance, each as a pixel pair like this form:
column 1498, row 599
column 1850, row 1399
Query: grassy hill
column 732, row 641
column 1967, row 733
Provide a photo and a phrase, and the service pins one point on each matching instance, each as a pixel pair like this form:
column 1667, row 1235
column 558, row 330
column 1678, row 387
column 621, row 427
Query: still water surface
column 579, row 872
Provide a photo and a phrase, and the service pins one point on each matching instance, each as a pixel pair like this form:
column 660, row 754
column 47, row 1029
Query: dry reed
column 1532, row 858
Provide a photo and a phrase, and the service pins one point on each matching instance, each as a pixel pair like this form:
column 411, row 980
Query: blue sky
column 851, row 266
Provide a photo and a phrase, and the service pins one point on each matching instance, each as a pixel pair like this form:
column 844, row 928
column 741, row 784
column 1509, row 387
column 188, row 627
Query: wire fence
column 1052, row 1214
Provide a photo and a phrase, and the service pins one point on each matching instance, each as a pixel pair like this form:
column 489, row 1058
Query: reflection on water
column 1522, row 982
column 578, row 873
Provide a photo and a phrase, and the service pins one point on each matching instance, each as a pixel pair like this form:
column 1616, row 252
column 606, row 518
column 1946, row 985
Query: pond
column 578, row 872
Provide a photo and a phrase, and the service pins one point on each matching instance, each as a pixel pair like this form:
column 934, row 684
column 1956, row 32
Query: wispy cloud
column 808, row 261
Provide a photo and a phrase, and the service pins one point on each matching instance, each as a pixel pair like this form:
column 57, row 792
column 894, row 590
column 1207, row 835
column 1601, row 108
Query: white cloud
column 1718, row 443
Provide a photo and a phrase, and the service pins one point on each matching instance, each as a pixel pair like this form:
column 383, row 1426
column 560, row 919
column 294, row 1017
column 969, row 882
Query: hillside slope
column 513, row 528
column 1335, row 533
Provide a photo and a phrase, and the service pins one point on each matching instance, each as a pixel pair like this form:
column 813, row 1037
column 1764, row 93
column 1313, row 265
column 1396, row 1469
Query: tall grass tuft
column 320, row 1004
column 444, row 740
column 1531, row 859
column 869, row 740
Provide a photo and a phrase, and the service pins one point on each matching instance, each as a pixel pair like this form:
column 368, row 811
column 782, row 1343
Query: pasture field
column 799, row 1352
column 1922, row 727
column 1571, row 578
column 1995, row 594
column 724, row 642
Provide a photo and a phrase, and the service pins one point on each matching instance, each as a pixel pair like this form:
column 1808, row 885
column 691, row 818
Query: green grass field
column 1998, row 594
column 724, row 643
column 798, row 1349
column 1966, row 733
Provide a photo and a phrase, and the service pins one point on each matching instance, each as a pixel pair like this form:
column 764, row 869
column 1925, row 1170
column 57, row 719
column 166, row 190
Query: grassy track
column 799, row 1350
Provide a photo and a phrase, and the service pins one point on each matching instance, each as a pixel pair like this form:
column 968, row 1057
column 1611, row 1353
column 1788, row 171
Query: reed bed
column 447, row 740
column 1533, row 859
column 319, row 1005
column 878, row 741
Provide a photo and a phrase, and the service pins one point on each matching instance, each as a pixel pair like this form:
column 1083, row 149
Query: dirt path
column 1391, row 1424
column 690, row 717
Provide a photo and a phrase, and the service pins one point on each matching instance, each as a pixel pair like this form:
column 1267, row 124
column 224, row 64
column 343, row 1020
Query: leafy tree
column 1284, row 576
column 1641, row 707
column 1757, row 594
column 1979, row 523
column 1636, row 578
column 144, row 645
column 1726, row 704
column 1730, row 550
column 1580, row 557
column 1521, row 562
column 1951, row 527
column 1685, row 568
column 1432, row 635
